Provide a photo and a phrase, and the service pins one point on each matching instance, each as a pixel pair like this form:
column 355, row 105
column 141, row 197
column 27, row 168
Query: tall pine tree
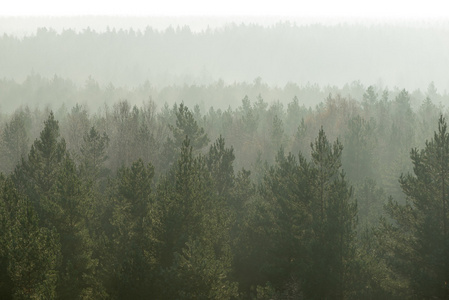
column 420, row 231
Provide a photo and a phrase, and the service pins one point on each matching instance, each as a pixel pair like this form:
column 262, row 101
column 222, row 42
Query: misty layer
column 409, row 57
column 237, row 163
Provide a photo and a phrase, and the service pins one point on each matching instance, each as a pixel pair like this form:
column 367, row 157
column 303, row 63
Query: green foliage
column 370, row 201
column 187, row 126
column 37, row 175
column 193, row 228
column 300, row 236
column 219, row 163
column 78, row 268
column 93, row 154
column 421, row 224
column 32, row 252
column 14, row 140
column 326, row 159
column 196, row 224
column 133, row 250
column 198, row 274
column 334, row 214
column 50, row 180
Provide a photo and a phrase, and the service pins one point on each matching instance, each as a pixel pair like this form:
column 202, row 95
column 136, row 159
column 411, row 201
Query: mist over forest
column 387, row 54
column 244, row 160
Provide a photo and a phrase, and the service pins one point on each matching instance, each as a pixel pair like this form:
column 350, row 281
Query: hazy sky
column 316, row 8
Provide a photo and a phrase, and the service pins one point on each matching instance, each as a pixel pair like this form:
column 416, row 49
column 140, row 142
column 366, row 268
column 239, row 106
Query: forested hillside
column 265, row 199
column 391, row 54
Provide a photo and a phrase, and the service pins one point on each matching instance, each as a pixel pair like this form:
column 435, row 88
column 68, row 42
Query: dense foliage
column 258, row 202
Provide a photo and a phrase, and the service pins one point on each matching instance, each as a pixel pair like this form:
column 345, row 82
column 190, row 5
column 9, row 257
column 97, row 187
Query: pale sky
column 310, row 8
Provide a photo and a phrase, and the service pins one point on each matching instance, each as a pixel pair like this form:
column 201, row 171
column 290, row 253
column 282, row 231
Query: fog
column 186, row 50
column 261, row 158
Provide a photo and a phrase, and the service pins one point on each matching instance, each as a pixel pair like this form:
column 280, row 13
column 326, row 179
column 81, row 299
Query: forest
column 346, row 200
column 219, row 190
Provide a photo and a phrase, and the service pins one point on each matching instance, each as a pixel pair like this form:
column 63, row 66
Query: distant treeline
column 59, row 92
column 326, row 55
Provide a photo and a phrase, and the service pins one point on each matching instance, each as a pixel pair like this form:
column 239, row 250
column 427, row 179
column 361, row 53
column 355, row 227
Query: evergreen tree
column 220, row 164
column 288, row 193
column 186, row 125
column 78, row 268
column 134, row 252
column 32, row 252
column 326, row 159
column 334, row 215
column 93, row 155
column 420, row 230
column 14, row 141
column 37, row 175
column 195, row 251
column 50, row 180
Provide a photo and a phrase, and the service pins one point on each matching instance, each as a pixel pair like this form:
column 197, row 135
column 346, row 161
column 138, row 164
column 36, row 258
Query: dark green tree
column 134, row 251
column 37, row 175
column 220, row 164
column 93, row 155
column 32, row 253
column 420, row 230
column 326, row 159
column 334, row 219
column 71, row 210
column 287, row 219
column 50, row 180
column 195, row 241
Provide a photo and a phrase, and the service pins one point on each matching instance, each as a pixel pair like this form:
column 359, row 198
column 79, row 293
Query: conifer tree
column 195, row 251
column 220, row 164
column 305, row 225
column 186, row 125
column 326, row 158
column 421, row 225
column 14, row 141
column 133, row 250
column 37, row 175
column 32, row 252
column 334, row 214
column 78, row 268
column 50, row 180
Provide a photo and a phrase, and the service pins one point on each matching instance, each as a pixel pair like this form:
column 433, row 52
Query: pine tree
column 134, row 251
column 421, row 225
column 287, row 193
column 302, row 232
column 50, row 180
column 219, row 163
column 32, row 252
column 78, row 268
column 14, row 141
column 334, row 214
column 195, row 252
column 326, row 159
column 93, row 155
column 186, row 125
column 37, row 175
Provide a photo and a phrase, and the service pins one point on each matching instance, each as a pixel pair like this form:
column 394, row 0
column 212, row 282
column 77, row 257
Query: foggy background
column 126, row 51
